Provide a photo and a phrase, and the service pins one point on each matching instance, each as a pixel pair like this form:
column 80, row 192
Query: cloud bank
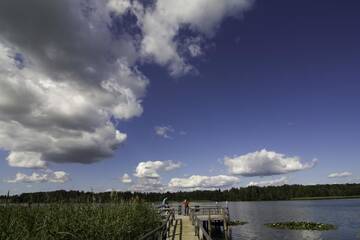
column 197, row 182
column 58, row 106
column 148, row 175
column 339, row 175
column 265, row 163
column 275, row 182
column 70, row 69
column 48, row 176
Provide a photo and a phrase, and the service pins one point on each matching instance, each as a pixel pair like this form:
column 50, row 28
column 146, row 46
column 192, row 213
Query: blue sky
column 274, row 75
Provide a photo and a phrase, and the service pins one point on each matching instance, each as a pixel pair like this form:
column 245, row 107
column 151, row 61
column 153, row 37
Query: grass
column 121, row 221
column 302, row 226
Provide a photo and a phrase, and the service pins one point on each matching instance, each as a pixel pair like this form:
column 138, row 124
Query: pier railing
column 205, row 220
column 209, row 211
column 200, row 231
column 162, row 231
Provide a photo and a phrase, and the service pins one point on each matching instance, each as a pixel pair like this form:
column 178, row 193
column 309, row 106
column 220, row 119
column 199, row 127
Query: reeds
column 120, row 221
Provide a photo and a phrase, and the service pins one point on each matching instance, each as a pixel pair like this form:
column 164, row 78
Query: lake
column 345, row 214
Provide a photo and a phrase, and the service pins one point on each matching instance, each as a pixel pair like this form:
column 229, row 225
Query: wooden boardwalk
column 199, row 225
column 184, row 230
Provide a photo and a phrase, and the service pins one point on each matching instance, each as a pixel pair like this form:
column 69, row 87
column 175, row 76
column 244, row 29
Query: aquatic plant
column 237, row 222
column 302, row 226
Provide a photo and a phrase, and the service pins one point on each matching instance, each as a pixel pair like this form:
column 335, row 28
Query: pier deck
column 184, row 230
column 199, row 225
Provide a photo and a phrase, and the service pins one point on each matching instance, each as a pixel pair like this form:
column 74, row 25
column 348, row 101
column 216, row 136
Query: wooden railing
column 200, row 231
column 209, row 210
column 162, row 231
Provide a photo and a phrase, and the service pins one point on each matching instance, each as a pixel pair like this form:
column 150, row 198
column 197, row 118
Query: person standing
column 186, row 207
column 164, row 203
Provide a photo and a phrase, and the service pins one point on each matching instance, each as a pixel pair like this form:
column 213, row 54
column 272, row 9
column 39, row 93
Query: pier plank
column 184, row 230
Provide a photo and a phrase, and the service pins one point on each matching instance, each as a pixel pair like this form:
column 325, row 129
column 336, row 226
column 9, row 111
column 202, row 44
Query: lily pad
column 237, row 222
column 302, row 226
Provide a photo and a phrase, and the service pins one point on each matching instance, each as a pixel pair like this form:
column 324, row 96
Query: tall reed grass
column 120, row 221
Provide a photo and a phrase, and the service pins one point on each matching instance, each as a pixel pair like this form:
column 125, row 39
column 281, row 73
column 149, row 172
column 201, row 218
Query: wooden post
column 226, row 217
column 209, row 224
column 196, row 229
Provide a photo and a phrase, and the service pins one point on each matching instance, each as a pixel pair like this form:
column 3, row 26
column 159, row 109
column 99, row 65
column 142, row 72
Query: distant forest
column 253, row 193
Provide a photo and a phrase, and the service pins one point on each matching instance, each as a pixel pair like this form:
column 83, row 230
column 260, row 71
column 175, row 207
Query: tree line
column 251, row 193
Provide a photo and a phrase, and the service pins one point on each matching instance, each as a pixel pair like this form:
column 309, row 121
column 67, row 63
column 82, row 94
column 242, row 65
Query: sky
column 169, row 95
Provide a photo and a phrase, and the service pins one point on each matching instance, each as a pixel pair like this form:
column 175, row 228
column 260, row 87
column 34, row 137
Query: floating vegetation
column 302, row 226
column 237, row 222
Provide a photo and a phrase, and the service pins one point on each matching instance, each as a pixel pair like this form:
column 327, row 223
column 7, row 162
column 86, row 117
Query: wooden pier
column 200, row 224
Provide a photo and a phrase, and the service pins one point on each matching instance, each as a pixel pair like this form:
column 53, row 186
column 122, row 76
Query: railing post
column 209, row 224
column 196, row 228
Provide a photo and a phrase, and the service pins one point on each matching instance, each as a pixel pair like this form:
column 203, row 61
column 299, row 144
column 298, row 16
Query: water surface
column 345, row 214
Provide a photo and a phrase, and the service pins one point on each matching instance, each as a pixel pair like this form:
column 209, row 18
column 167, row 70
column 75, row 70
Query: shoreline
column 326, row 198
column 292, row 199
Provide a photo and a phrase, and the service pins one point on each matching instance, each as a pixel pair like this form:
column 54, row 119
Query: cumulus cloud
column 26, row 160
column 148, row 175
column 274, row 182
column 203, row 182
column 339, row 175
column 70, row 69
column 119, row 6
column 126, row 179
column 162, row 23
column 265, row 163
column 58, row 97
column 151, row 169
column 148, row 185
column 47, row 176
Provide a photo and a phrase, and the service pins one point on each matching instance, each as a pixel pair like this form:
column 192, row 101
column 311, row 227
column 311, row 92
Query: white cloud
column 26, row 160
column 168, row 132
column 126, row 179
column 59, row 100
column 274, row 182
column 119, row 6
column 161, row 23
column 203, row 182
column 58, row 97
column 148, row 175
column 164, row 131
column 47, row 176
column 151, row 169
column 148, row 185
column 265, row 163
column 340, row 175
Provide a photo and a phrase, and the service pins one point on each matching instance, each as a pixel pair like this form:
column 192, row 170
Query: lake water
column 345, row 214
